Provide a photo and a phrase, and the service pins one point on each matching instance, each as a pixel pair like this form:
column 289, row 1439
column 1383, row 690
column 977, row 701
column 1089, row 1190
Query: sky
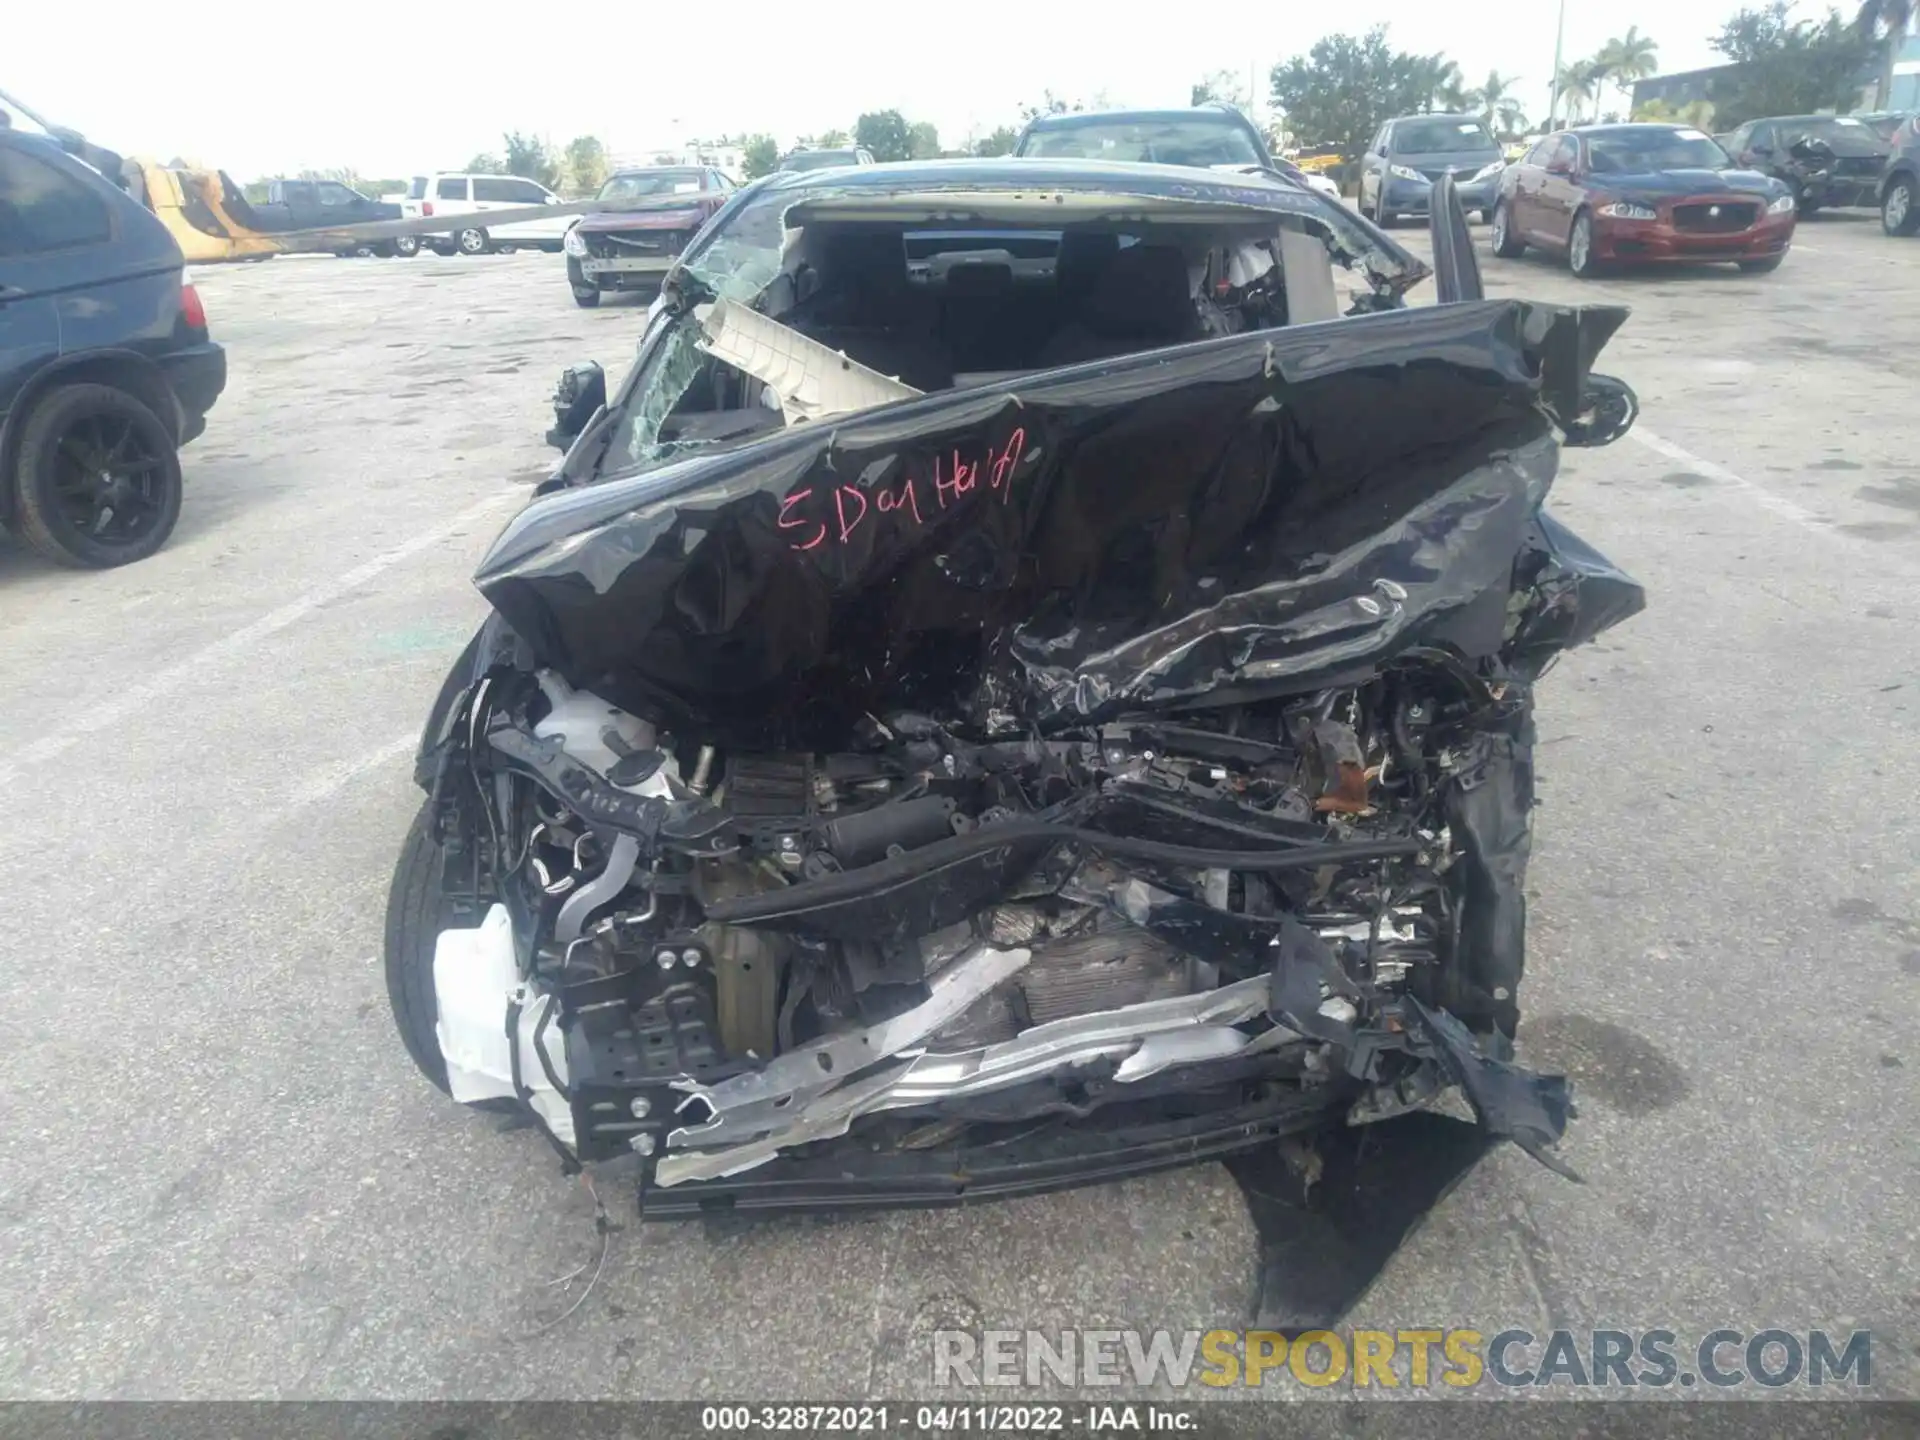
column 393, row 89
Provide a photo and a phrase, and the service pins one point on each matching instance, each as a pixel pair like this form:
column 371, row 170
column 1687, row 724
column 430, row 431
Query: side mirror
column 1560, row 167
column 580, row 395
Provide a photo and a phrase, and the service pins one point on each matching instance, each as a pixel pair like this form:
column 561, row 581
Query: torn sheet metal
column 1241, row 516
column 811, row 380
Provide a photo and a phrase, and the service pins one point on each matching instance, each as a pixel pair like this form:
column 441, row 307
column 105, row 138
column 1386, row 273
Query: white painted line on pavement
column 334, row 778
column 136, row 698
column 1773, row 504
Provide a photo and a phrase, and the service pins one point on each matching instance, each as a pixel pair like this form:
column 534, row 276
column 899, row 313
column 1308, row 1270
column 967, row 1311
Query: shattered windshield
column 641, row 184
column 817, row 301
column 1152, row 142
column 1639, row 152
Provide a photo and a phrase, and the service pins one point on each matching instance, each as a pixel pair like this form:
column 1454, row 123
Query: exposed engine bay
column 948, row 931
column 1050, row 777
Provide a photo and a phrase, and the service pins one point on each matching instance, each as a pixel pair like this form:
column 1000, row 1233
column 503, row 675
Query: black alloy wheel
column 99, row 478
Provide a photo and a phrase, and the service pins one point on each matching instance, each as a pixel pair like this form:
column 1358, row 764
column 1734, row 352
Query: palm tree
column 1493, row 97
column 1577, row 86
column 1449, row 88
column 1632, row 57
column 1885, row 22
column 1509, row 119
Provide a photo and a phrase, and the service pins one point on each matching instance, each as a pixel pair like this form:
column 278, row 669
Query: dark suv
column 1900, row 181
column 105, row 365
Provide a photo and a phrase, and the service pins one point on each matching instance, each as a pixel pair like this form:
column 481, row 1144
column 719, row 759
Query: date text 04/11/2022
column 946, row 1419
column 913, row 499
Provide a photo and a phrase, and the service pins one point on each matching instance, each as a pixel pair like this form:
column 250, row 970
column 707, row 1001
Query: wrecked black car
column 1028, row 681
column 1829, row 160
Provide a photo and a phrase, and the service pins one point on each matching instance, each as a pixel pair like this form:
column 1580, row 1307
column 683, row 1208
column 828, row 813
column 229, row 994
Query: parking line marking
column 1774, row 504
column 334, row 778
column 137, row 698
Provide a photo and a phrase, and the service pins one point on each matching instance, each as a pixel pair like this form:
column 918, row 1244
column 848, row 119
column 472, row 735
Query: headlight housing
column 1494, row 169
column 573, row 244
column 1781, row 206
column 1405, row 172
column 1627, row 210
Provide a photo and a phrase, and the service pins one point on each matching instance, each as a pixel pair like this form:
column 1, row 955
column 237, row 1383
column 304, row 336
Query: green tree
column 1576, row 88
column 1627, row 58
column 1445, row 87
column 998, row 142
column 586, row 164
column 485, row 165
column 529, row 157
column 1885, row 22
column 885, row 134
column 1342, row 90
column 759, row 156
column 923, row 141
column 833, row 140
column 1497, row 103
column 1050, row 104
column 1788, row 67
column 1697, row 113
column 1226, row 86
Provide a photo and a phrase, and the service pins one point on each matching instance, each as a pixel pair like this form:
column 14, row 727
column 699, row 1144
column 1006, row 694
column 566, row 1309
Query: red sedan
column 1640, row 194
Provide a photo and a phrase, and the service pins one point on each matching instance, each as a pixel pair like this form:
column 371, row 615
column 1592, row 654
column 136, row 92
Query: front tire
column 97, row 479
column 1580, row 248
column 407, row 246
column 586, row 294
column 416, row 914
column 1382, row 216
column 1506, row 244
column 1900, row 207
column 471, row 242
column 1764, row 266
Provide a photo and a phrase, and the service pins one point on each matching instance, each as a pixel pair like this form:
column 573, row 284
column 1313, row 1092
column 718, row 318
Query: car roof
column 1070, row 119
column 1032, row 175
column 1628, row 127
column 1439, row 115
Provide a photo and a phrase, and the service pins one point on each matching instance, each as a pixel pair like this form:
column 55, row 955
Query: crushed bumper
column 1840, row 194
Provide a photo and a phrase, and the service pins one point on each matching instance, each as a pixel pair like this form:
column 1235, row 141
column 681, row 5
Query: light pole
column 1559, row 34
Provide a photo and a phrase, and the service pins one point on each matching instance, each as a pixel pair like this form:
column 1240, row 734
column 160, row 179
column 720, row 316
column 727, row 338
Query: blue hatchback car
column 106, row 368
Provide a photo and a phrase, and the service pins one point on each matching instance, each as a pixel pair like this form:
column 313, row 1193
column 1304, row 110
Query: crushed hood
column 669, row 212
column 1240, row 516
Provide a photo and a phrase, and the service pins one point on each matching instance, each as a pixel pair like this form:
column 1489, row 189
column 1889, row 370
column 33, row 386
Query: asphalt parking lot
column 221, row 1178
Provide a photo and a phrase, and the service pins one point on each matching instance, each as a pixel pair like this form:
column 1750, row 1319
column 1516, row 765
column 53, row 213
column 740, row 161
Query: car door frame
column 1560, row 194
column 1764, row 158
column 1370, row 165
column 1522, row 195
